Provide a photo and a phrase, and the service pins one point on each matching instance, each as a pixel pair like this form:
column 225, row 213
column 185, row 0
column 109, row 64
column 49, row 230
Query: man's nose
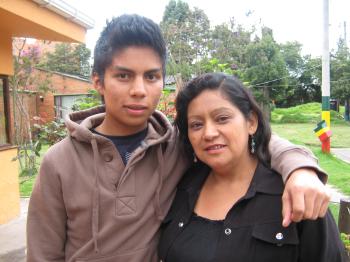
column 138, row 87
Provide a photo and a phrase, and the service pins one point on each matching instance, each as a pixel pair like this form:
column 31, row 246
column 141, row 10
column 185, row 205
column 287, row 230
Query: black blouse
column 252, row 230
column 198, row 241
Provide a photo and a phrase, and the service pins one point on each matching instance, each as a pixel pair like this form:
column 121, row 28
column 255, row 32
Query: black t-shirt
column 198, row 242
column 126, row 144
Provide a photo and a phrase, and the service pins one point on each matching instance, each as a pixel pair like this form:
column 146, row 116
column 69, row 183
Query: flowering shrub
column 167, row 104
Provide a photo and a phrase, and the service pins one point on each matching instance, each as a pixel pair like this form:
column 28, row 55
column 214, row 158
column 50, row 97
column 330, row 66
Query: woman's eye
column 195, row 126
column 222, row 119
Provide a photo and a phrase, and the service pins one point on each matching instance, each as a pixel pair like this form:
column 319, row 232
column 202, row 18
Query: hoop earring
column 252, row 144
column 195, row 160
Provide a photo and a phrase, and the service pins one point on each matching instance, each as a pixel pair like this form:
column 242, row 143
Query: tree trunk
column 179, row 83
column 347, row 110
column 266, row 103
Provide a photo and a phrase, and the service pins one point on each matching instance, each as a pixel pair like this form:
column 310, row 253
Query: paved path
column 342, row 153
column 12, row 236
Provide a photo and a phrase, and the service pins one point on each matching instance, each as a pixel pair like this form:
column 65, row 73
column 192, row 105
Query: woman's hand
column 304, row 197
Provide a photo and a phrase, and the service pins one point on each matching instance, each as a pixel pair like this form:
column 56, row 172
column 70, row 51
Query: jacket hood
column 79, row 125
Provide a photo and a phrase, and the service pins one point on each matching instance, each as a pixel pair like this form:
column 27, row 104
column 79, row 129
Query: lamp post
column 326, row 75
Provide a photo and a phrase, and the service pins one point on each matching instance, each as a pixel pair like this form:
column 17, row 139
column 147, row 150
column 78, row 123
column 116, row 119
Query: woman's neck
column 238, row 173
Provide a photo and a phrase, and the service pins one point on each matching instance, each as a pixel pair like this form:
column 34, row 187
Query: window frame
column 7, row 111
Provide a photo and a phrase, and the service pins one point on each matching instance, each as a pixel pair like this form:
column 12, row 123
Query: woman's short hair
column 237, row 94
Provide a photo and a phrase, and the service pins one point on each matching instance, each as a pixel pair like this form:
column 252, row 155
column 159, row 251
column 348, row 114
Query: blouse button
column 279, row 236
column 227, row 231
column 181, row 224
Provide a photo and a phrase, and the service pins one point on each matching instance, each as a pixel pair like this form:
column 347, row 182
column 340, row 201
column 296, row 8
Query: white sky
column 297, row 20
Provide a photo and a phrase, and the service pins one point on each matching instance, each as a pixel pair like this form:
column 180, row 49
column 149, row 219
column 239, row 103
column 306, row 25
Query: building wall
column 61, row 85
column 6, row 63
column 9, row 186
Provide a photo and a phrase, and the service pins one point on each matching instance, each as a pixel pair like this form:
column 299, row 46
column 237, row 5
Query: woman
column 228, row 205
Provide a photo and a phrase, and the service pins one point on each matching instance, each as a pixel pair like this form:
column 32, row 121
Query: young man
column 103, row 191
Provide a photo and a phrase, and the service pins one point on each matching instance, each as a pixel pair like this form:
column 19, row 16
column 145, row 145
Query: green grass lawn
column 26, row 186
column 334, row 208
column 297, row 123
column 302, row 134
column 26, row 183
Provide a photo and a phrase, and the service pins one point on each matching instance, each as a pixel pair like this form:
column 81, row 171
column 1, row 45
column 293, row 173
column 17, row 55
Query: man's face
column 132, row 87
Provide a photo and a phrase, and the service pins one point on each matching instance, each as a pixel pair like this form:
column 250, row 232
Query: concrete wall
column 9, row 185
column 6, row 62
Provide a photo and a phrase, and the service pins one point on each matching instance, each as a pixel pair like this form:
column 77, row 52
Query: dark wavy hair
column 237, row 94
column 125, row 31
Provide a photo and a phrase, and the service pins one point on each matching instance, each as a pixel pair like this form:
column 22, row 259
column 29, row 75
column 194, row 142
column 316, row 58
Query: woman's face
column 218, row 131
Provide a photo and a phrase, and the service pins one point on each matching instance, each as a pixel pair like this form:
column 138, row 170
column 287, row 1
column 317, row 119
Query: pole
column 325, row 73
column 344, row 216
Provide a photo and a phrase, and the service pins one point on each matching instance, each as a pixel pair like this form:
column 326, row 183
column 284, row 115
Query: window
column 64, row 103
column 4, row 112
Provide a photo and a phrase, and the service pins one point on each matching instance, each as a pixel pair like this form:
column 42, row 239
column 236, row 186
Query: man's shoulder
column 61, row 149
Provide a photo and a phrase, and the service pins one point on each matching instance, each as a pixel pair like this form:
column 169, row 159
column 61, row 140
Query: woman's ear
column 252, row 123
column 98, row 83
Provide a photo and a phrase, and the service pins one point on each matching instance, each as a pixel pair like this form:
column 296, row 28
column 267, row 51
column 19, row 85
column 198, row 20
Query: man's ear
column 98, row 83
column 252, row 123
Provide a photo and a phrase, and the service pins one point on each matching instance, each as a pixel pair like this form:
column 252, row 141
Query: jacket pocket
column 148, row 253
column 275, row 243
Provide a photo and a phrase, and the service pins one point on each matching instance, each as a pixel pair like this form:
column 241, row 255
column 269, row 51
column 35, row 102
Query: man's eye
column 152, row 77
column 123, row 76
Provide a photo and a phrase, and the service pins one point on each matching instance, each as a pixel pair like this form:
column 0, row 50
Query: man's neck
column 110, row 129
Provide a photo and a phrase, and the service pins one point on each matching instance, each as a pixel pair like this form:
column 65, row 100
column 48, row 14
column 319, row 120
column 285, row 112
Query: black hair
column 241, row 97
column 125, row 31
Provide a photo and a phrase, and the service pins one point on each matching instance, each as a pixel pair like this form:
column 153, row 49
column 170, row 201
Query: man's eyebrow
column 125, row 69
column 155, row 70
column 121, row 68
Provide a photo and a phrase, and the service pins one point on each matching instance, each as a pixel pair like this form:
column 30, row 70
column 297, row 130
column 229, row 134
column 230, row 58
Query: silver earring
column 195, row 160
column 252, row 144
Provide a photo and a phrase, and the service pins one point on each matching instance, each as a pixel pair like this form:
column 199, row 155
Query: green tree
column 68, row 58
column 229, row 44
column 340, row 75
column 308, row 88
column 24, row 83
column 266, row 70
column 304, row 74
column 186, row 33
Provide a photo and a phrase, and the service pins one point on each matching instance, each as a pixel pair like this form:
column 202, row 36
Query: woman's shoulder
column 194, row 177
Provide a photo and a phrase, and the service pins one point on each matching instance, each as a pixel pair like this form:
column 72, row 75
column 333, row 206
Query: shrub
column 167, row 104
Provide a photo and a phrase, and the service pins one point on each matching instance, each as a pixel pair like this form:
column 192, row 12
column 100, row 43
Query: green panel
column 325, row 103
column 320, row 125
